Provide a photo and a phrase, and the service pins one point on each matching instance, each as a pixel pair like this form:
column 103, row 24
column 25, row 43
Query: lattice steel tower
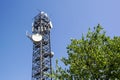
column 41, row 60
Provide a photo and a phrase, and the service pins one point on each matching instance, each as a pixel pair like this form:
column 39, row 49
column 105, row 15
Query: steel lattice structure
column 41, row 60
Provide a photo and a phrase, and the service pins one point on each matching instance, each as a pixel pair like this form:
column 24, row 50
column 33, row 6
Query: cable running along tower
column 41, row 59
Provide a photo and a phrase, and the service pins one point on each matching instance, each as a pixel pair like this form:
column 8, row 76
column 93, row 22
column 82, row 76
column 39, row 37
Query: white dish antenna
column 36, row 37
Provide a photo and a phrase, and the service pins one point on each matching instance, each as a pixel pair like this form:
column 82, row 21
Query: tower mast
column 41, row 59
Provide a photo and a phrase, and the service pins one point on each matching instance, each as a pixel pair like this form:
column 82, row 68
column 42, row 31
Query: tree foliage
column 93, row 57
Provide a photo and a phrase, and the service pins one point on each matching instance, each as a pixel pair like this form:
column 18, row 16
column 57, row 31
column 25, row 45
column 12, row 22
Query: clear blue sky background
column 70, row 19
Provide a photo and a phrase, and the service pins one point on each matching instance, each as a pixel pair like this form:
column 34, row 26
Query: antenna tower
column 41, row 59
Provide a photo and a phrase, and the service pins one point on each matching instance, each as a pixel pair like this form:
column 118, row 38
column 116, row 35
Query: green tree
column 93, row 57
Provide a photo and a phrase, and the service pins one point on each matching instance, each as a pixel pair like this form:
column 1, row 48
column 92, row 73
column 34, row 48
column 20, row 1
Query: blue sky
column 70, row 19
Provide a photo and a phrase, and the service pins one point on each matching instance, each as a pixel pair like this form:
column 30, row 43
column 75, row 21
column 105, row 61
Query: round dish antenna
column 36, row 37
